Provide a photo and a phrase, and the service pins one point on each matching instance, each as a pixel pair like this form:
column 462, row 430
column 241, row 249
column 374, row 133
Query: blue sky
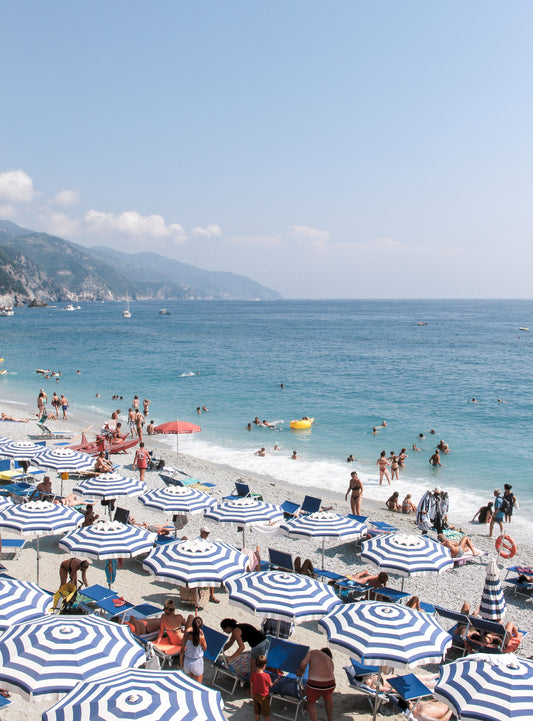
column 343, row 149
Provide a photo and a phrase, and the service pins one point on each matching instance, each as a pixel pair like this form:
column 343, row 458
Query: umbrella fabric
column 53, row 654
column 492, row 605
column 244, row 511
column 282, row 596
column 140, row 693
column 488, row 687
column 176, row 499
column 21, row 601
column 108, row 539
column 5, row 503
column 386, row 634
column 196, row 563
column 110, row 485
column 40, row 518
column 407, row 555
column 20, row 450
column 177, row 428
column 63, row 459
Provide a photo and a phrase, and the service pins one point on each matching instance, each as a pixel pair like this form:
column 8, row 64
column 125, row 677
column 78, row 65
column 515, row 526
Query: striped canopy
column 40, row 518
column 5, row 503
column 110, row 485
column 21, row 601
column 177, row 499
column 282, row 596
column 244, row 511
column 150, row 695
column 20, row 450
column 63, row 459
column 196, row 563
column 407, row 555
column 108, row 539
column 51, row 655
column 492, row 605
column 488, row 687
column 386, row 634
column 323, row 524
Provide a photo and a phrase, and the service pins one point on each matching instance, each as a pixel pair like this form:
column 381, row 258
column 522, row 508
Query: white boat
column 521, row 328
column 164, row 311
column 6, row 310
column 126, row 313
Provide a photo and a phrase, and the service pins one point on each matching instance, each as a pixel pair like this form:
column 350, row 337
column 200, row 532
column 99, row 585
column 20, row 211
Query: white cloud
column 309, row 236
column 133, row 224
column 60, row 224
column 67, row 198
column 7, row 211
column 209, row 231
column 16, row 186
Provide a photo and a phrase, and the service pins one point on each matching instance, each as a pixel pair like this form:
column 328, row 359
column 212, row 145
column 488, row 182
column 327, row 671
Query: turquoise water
column 349, row 364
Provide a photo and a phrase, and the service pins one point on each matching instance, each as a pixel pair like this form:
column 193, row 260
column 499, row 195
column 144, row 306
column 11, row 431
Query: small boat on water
column 521, row 328
column 164, row 311
column 6, row 310
column 420, row 323
column 126, row 313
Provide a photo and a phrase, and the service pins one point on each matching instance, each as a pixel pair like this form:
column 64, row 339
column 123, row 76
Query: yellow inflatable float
column 302, row 424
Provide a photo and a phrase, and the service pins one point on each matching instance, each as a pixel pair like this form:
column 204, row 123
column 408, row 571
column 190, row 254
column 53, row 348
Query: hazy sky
column 325, row 149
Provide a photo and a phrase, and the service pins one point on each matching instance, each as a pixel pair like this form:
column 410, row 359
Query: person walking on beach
column 499, row 511
column 435, row 459
column 56, row 402
column 146, row 403
column 260, row 684
column 382, row 462
column 131, row 420
column 320, row 682
column 509, row 502
column 141, row 460
column 64, row 407
column 139, row 423
column 356, row 489
column 41, row 402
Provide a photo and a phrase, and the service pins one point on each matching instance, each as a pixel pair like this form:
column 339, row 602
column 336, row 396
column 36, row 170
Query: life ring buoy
column 506, row 546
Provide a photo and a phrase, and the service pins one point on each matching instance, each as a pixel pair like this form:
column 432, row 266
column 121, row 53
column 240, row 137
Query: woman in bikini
column 173, row 624
column 402, row 455
column 382, row 462
column 394, row 466
column 356, row 488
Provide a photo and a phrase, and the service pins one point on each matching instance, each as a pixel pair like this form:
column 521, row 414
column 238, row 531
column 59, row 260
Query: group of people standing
column 395, row 461
column 56, row 404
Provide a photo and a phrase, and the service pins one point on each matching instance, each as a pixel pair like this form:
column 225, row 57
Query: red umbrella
column 177, row 427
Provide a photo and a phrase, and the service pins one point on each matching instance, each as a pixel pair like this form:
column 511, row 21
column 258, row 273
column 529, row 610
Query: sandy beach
column 449, row 590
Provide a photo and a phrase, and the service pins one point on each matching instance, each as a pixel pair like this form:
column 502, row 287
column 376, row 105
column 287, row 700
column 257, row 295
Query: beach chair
column 468, row 557
column 356, row 675
column 174, row 477
column 521, row 588
column 279, row 560
column 499, row 634
column 4, row 702
column 122, row 515
column 214, row 654
column 277, row 628
column 5, row 464
column 409, row 688
column 309, row 505
column 459, row 629
column 286, row 657
column 12, row 547
column 49, row 434
column 242, row 490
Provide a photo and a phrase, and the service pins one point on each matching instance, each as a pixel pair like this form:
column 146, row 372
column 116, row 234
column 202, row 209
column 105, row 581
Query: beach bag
column 506, row 506
column 287, row 686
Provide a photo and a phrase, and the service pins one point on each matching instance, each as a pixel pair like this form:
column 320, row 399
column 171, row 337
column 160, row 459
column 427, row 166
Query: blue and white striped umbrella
column 488, row 687
column 407, row 555
column 21, row 450
column 178, row 499
column 63, row 459
column 323, row 524
column 150, row 695
column 492, row 605
column 5, row 503
column 21, row 601
column 386, row 634
column 108, row 539
column 53, row 654
column 282, row 596
column 40, row 518
column 110, row 485
column 245, row 511
column 196, row 563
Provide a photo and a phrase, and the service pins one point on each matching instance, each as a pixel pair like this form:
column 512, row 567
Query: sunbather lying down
column 457, row 548
column 513, row 636
column 376, row 580
column 5, row 417
column 427, row 710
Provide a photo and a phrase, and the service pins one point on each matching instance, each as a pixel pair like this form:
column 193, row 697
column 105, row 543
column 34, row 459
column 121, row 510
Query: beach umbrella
column 5, row 503
column 324, row 524
column 64, row 460
column 487, row 687
column 177, row 428
column 492, row 605
column 40, row 518
column 21, row 601
column 51, row 655
column 20, row 450
column 151, row 695
column 407, row 555
column 386, row 634
column 177, row 499
column 108, row 539
column 196, row 563
column 244, row 511
column 110, row 485
column 282, row 596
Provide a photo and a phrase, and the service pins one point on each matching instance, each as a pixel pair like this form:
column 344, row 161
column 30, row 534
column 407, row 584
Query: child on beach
column 260, row 684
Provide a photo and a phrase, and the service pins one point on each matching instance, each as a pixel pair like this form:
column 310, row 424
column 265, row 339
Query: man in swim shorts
column 321, row 681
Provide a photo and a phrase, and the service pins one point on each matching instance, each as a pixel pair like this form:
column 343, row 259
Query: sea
column 416, row 365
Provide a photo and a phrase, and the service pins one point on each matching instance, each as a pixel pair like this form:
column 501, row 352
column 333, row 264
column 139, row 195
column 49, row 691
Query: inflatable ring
column 301, row 424
column 506, row 546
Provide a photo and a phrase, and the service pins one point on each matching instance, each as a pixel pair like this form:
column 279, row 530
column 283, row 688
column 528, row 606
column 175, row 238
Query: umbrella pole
column 376, row 699
column 38, row 559
column 323, row 541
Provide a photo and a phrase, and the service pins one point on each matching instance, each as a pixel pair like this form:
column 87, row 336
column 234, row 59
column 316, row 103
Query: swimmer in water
column 294, row 456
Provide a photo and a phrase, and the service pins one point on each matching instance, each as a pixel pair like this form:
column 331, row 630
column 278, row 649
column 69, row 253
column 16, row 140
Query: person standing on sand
column 56, row 402
column 146, row 403
column 320, row 682
column 64, row 407
column 511, row 498
column 139, row 422
column 41, row 402
column 499, row 515
column 356, row 488
column 141, row 460
column 382, row 462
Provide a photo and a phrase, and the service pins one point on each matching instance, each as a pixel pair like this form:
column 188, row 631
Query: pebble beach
column 449, row 590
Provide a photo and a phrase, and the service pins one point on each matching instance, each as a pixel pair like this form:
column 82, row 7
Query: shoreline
column 448, row 590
